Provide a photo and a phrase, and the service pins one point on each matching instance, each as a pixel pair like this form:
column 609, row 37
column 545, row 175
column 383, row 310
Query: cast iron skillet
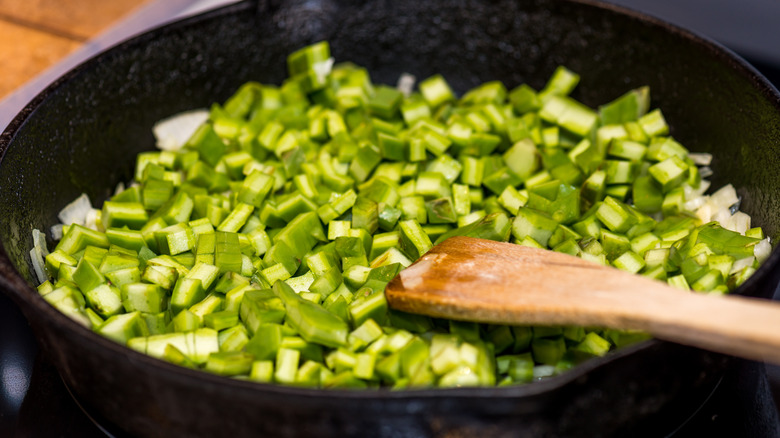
column 82, row 134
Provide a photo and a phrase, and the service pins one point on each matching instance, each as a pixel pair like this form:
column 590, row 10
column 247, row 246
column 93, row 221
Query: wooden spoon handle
column 478, row 280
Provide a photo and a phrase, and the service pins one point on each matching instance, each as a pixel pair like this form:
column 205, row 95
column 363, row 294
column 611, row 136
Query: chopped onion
column 119, row 188
column 76, row 212
column 762, row 250
column 704, row 213
column 173, row 132
column 695, row 203
column 741, row 222
column 690, row 192
column 705, row 171
column 322, row 69
column 742, row 263
column 704, row 185
column 37, row 254
column 56, row 231
column 725, row 197
column 91, row 221
column 38, row 265
column 723, row 217
column 406, row 84
column 39, row 240
column 695, row 198
column 542, row 371
column 700, row 158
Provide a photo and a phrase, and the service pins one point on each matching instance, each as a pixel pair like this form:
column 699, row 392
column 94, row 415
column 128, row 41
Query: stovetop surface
column 34, row 401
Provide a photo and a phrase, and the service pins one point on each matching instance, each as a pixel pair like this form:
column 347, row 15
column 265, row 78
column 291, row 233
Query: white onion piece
column 542, row 371
column 704, row 185
column 741, row 222
column 762, row 250
column 406, row 84
column 704, row 213
column 690, row 192
column 695, row 203
column 705, row 171
column 700, row 158
column 742, row 264
column 92, row 218
column 76, row 212
column 119, row 188
column 322, row 69
column 173, row 132
column 39, row 240
column 37, row 253
column 38, row 265
column 56, row 231
column 723, row 217
column 725, row 197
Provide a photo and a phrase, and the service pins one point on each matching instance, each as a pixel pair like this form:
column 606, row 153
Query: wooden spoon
column 485, row 281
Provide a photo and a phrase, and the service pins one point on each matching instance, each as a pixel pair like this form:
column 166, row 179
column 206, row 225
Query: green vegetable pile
column 260, row 248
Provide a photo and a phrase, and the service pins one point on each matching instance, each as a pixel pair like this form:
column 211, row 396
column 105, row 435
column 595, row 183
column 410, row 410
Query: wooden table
column 35, row 34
